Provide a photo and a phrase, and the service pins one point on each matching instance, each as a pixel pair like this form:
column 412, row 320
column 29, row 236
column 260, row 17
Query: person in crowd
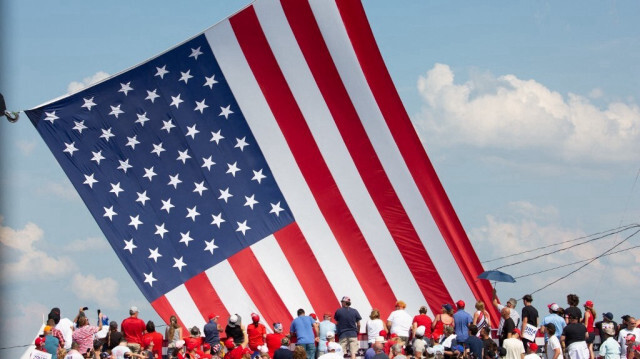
column 177, row 352
column 52, row 344
column 374, row 326
column 195, row 338
column 554, row 318
column 378, row 347
column 511, row 305
column 83, row 335
column 572, row 309
column 303, row 327
column 588, row 321
column 399, row 321
column 234, row 328
column 40, row 343
column 147, row 349
column 62, row 325
column 56, row 332
column 513, row 345
column 574, row 337
column 299, row 352
column 461, row 321
column 155, row 337
column 445, row 318
column 606, row 318
column 481, row 317
column 334, row 351
column 474, row 345
column 113, row 337
column 609, row 348
column 173, row 333
column 348, row 326
column 508, row 325
column 623, row 324
column 419, row 344
column 132, row 329
column 448, row 341
column 396, row 352
column 487, row 342
column 532, row 350
column 422, row 319
column 74, row 351
column 371, row 352
column 553, row 349
column 324, row 327
column 257, row 334
column 529, row 316
column 283, row 352
column 206, row 351
column 212, row 330
column 393, row 340
column 274, row 340
column 629, row 331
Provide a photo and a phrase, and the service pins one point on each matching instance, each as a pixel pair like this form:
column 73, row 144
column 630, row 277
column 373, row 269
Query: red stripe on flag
column 258, row 286
column 307, row 269
column 422, row 171
column 165, row 310
column 274, row 87
column 206, row 298
column 316, row 53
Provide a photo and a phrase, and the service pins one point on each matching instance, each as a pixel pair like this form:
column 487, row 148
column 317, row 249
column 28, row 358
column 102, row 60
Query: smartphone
column 85, row 308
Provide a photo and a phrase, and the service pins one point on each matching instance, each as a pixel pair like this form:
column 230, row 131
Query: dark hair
column 473, row 329
column 573, row 300
column 551, row 328
column 422, row 310
column 151, row 327
column 527, row 298
column 300, row 311
column 113, row 325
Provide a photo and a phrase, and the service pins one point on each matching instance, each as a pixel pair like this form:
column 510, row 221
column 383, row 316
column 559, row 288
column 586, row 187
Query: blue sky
column 528, row 110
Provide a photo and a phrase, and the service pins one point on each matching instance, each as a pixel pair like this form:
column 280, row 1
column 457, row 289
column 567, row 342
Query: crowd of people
column 453, row 333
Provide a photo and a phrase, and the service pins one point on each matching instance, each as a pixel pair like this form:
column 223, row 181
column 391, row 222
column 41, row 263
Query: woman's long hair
column 173, row 325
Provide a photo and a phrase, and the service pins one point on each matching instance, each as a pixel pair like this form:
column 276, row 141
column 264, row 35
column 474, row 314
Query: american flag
column 265, row 165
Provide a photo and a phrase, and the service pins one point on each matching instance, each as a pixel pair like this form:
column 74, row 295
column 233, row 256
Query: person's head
column 327, row 316
column 229, row 343
column 480, row 306
column 396, row 349
column 553, row 308
column 447, row 309
column 299, row 352
column 485, row 332
column 39, row 343
column 246, row 353
column 284, row 342
column 607, row 317
column 133, row 311
column 608, row 329
column 473, row 329
column 255, row 318
column 420, row 331
column 505, row 312
column 400, row 305
column 113, row 326
column 173, row 321
column 82, row 321
column 300, row 312
column 573, row 300
column 147, row 343
column 47, row 330
column 55, row 315
column 573, row 317
column 422, row 310
column 378, row 347
column 527, row 299
column 631, row 323
column 213, row 317
column 345, row 301
column 151, row 327
column 277, row 327
column 75, row 345
column 512, row 302
column 206, row 348
column 460, row 304
column 195, row 332
column 375, row 314
column 532, row 347
column 331, row 336
column 516, row 333
column 551, row 328
column 448, row 329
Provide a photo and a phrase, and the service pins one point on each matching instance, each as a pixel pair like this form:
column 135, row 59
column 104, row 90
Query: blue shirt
column 302, row 326
column 475, row 346
column 51, row 345
column 347, row 319
column 324, row 327
column 461, row 321
column 211, row 333
column 557, row 320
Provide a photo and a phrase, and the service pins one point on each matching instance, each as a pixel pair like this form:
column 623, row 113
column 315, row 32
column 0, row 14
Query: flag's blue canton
column 140, row 149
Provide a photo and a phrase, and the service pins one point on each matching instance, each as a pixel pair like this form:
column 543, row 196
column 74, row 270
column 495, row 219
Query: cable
column 564, row 249
column 570, row 264
column 586, row 264
column 559, row 243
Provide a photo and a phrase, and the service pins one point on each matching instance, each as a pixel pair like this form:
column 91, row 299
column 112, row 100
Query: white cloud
column 31, row 262
column 103, row 292
column 63, row 190
column 76, row 86
column 23, row 321
column 89, row 244
column 509, row 113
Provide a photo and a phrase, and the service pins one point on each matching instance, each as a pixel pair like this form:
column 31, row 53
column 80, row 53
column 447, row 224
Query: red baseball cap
column 460, row 303
column 255, row 317
column 40, row 341
column 516, row 331
column 314, row 316
column 394, row 335
column 383, row 333
column 206, row 346
column 147, row 341
column 229, row 343
column 588, row 304
column 191, row 345
column 533, row 346
column 213, row 316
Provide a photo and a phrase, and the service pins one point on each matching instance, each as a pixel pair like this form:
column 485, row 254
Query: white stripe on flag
column 279, row 272
column 334, row 33
column 283, row 166
column 185, row 308
column 334, row 151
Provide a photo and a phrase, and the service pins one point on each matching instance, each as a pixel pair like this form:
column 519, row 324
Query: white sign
column 36, row 354
column 530, row 333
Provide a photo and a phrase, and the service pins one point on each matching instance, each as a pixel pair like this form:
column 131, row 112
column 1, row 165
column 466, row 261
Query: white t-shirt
column 374, row 326
column 74, row 354
column 65, row 326
column 514, row 348
column 531, row 356
column 623, row 342
column 119, row 351
column 400, row 322
column 552, row 344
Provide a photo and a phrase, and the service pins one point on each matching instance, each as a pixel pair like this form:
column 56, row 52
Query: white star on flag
column 160, row 230
column 155, row 254
column 88, row 103
column 226, row 111
column 195, row 53
column 161, row 71
column 148, row 278
column 179, row 263
column 242, row 227
column 210, row 246
column 89, row 180
column 116, row 111
column 126, row 88
column 109, row 212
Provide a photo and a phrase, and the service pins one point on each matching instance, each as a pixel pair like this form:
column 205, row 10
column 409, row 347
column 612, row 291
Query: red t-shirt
column 256, row 333
column 424, row 320
column 156, row 338
column 132, row 329
column 274, row 342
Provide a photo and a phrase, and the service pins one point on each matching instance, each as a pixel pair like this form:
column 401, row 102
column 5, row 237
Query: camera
column 85, row 308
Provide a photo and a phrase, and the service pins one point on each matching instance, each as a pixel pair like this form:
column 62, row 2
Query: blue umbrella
column 496, row 276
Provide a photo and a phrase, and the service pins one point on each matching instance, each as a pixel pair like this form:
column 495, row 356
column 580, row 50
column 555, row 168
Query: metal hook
column 12, row 116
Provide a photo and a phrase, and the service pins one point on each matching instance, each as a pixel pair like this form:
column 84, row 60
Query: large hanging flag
column 263, row 166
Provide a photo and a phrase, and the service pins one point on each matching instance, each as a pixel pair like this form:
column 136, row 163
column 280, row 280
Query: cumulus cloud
column 509, row 113
column 529, row 227
column 76, row 86
column 103, row 292
column 63, row 190
column 31, row 262
column 89, row 244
